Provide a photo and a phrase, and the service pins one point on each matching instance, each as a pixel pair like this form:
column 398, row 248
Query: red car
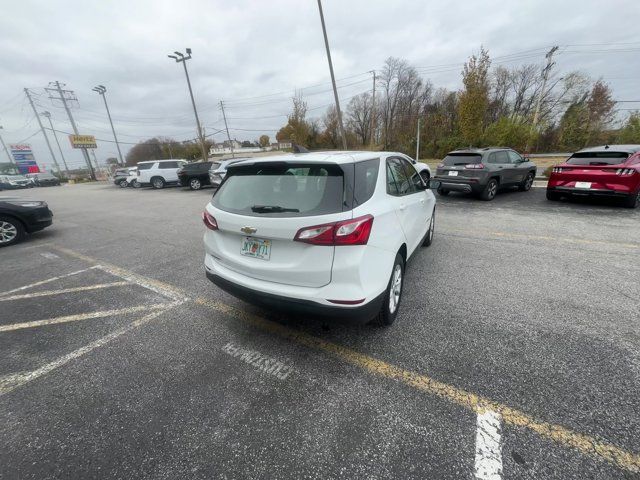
column 608, row 171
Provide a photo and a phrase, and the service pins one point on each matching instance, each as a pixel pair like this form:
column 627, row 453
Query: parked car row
column 42, row 179
column 605, row 171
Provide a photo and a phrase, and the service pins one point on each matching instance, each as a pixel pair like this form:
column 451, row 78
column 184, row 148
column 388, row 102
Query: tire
column 158, row 183
column 632, row 201
column 428, row 240
column 490, row 190
column 553, row 196
column 525, row 186
column 123, row 184
column 135, row 184
column 443, row 192
column 11, row 231
column 195, row 184
column 392, row 295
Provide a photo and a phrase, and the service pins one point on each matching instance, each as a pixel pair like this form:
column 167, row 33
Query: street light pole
column 5, row 147
column 181, row 58
column 333, row 78
column 47, row 115
column 101, row 89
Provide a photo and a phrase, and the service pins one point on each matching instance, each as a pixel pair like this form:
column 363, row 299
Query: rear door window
column 145, row 166
column 500, row 157
column 168, row 165
column 398, row 180
column 283, row 189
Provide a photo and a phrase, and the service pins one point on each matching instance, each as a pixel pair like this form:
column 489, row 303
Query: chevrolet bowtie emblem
column 248, row 230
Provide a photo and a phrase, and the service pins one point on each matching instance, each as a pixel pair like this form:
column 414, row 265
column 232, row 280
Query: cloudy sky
column 253, row 54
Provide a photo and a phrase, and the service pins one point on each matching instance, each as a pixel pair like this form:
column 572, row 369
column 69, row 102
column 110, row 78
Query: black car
column 120, row 176
column 19, row 217
column 43, row 179
column 195, row 175
column 483, row 171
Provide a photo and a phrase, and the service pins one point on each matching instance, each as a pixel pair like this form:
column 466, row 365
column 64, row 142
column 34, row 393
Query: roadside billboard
column 83, row 141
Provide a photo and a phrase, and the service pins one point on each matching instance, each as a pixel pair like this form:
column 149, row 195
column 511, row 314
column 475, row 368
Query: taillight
column 558, row 169
column 474, row 166
column 625, row 171
column 349, row 232
column 209, row 221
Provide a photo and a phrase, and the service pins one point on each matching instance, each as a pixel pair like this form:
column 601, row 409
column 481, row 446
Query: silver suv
column 218, row 170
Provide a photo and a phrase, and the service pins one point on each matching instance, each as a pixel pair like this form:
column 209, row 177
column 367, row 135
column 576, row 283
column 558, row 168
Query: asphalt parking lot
column 516, row 353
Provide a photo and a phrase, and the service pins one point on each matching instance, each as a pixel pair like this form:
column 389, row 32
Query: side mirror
column 433, row 184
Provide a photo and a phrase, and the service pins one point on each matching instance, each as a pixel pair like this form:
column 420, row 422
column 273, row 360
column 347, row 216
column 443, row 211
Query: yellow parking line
column 79, row 317
column 583, row 443
column 47, row 293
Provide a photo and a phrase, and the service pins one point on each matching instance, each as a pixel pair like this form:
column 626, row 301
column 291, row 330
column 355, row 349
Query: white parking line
column 80, row 316
column 47, row 293
column 49, row 255
column 488, row 465
column 43, row 282
column 12, row 382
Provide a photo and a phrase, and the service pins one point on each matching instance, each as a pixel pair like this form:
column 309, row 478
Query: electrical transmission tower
column 56, row 92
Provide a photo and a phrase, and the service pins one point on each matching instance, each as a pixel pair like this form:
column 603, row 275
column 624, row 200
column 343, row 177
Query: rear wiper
column 272, row 209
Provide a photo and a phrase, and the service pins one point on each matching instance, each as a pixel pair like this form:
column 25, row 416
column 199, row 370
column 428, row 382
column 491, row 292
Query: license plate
column 256, row 248
column 583, row 184
column 453, row 173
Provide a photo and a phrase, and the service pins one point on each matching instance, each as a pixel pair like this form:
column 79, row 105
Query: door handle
column 402, row 206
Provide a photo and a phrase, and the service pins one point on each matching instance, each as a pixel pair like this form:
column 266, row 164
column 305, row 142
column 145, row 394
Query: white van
column 159, row 173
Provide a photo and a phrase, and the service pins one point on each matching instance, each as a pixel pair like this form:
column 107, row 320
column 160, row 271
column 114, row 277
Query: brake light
column 349, row 232
column 209, row 221
column 559, row 169
column 474, row 166
column 625, row 171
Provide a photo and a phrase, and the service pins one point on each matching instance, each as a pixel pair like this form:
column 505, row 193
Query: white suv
column 159, row 173
column 324, row 233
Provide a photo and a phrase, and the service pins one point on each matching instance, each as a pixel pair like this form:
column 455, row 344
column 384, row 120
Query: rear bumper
column 360, row 314
column 583, row 192
column 465, row 186
column 37, row 219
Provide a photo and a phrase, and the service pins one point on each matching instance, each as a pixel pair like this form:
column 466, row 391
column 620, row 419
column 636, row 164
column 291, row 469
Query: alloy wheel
column 396, row 289
column 195, row 184
column 8, row 232
column 492, row 189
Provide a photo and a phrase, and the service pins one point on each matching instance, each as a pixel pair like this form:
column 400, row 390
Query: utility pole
column 333, row 78
column 418, row 142
column 5, row 147
column 233, row 155
column 181, row 58
column 58, row 89
column 55, row 136
column 95, row 160
column 373, row 110
column 101, row 89
column 545, row 78
column 46, row 139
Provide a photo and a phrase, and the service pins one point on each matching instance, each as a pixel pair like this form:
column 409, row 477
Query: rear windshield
column 145, row 166
column 282, row 189
column 461, row 159
column 598, row 158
